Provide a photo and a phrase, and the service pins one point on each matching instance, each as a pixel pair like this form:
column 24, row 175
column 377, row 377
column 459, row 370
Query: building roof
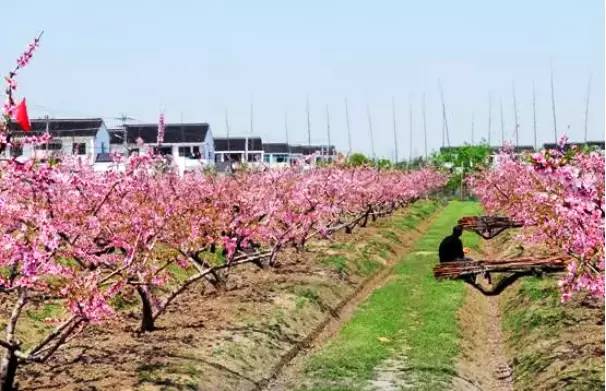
column 238, row 144
column 173, row 133
column 62, row 127
column 276, row 148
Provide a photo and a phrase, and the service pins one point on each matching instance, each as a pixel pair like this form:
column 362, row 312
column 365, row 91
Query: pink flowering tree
column 559, row 194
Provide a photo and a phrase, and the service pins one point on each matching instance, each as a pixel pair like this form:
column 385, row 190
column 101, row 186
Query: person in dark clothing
column 451, row 250
column 451, row 247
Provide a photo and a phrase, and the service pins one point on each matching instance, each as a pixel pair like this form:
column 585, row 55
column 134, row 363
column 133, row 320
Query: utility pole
column 48, row 129
column 444, row 118
column 328, row 132
column 502, row 123
column 472, row 128
column 286, row 127
column 372, row 140
column 515, row 114
column 489, row 119
column 553, row 108
column 587, row 108
column 252, row 113
column 227, row 129
column 395, row 128
column 410, row 135
column 308, row 123
column 348, row 127
column 424, row 126
column 534, row 116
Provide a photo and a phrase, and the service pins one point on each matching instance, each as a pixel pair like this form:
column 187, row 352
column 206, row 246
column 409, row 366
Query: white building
column 87, row 138
column 238, row 150
column 191, row 145
column 276, row 154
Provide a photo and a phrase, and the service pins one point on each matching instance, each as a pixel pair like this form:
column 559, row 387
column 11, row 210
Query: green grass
column 412, row 312
column 336, row 262
column 555, row 345
column 347, row 258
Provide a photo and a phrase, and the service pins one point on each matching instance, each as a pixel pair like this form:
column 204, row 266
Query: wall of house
column 101, row 141
column 209, row 147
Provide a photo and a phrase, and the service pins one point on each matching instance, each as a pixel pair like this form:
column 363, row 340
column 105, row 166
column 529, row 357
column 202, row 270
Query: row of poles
column 445, row 129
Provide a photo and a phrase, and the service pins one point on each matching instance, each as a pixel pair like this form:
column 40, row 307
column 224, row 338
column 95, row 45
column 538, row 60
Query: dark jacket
column 451, row 249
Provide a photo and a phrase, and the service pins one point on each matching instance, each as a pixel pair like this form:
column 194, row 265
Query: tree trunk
column 147, row 312
column 8, row 370
column 365, row 221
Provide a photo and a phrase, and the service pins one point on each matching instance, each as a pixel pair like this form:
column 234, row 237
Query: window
column 185, row 151
column 16, row 150
column 164, row 150
column 266, row 158
column 53, row 146
column 254, row 157
column 79, row 148
column 281, row 158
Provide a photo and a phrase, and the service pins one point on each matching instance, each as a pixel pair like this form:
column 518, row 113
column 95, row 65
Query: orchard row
column 559, row 195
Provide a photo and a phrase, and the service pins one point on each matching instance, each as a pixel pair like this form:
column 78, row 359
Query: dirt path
column 482, row 361
column 292, row 365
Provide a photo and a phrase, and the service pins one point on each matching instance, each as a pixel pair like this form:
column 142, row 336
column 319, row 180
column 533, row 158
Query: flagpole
column 348, row 126
column 424, row 127
column 587, row 108
column 372, row 141
column 395, row 131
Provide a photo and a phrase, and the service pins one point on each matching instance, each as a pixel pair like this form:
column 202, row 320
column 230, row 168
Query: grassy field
column 412, row 317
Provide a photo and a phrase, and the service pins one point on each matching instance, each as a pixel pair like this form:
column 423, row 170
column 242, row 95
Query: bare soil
column 482, row 360
column 525, row 338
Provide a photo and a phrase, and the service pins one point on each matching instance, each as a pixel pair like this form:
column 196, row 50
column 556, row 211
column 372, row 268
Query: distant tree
column 461, row 162
column 383, row 164
column 358, row 159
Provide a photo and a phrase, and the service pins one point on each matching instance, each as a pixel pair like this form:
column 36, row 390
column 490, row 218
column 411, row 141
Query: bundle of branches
column 488, row 226
column 460, row 269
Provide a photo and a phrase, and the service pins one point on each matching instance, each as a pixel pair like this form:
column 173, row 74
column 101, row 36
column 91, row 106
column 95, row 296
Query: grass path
column 405, row 334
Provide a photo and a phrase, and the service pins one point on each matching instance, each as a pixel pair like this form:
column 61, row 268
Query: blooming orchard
column 561, row 195
column 73, row 236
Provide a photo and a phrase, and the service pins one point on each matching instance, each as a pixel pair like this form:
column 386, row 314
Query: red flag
column 21, row 116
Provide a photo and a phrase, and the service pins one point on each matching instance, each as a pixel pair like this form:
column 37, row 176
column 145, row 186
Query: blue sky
column 195, row 59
